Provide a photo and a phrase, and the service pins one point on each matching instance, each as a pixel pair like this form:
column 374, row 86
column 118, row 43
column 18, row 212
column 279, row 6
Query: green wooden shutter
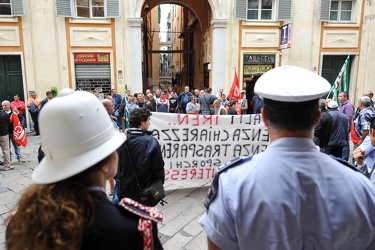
column 284, row 10
column 64, row 8
column 113, row 8
column 324, row 9
column 240, row 9
column 18, row 7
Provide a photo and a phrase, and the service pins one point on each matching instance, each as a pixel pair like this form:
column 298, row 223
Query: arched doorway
column 208, row 34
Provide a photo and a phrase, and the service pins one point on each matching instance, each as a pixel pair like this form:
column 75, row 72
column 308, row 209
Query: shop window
column 12, row 8
column 88, row 8
column 263, row 10
column 337, row 11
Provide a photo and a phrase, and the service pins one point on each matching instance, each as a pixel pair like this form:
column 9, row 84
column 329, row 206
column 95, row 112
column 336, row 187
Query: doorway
column 332, row 65
column 249, row 87
column 11, row 78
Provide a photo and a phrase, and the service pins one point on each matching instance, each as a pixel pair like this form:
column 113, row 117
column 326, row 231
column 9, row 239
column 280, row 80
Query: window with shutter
column 12, row 8
column 255, row 9
column 324, row 10
column 240, row 9
column 284, row 10
column 64, row 8
column 18, row 8
column 113, row 8
column 88, row 8
column 337, row 10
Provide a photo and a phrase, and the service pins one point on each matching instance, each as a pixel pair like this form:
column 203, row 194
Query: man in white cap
column 340, row 131
column 291, row 196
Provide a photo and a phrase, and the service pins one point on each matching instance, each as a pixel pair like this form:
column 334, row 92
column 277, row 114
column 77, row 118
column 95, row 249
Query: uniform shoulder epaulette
column 212, row 191
column 347, row 164
column 145, row 212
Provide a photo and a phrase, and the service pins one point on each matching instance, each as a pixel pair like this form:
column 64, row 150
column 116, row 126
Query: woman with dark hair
column 67, row 207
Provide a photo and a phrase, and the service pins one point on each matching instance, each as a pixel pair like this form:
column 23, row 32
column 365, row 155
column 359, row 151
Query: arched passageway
column 202, row 63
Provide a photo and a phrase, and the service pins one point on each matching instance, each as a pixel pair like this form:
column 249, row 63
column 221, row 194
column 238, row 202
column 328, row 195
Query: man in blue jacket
column 340, row 131
column 183, row 99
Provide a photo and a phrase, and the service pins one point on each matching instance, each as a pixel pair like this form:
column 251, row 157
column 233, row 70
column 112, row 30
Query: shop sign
column 256, row 69
column 259, row 59
column 91, row 58
column 286, row 36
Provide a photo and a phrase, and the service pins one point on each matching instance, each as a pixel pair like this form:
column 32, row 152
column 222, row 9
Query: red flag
column 19, row 135
column 235, row 89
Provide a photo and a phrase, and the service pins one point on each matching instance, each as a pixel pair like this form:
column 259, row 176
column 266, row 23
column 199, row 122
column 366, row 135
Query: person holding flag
column 16, row 132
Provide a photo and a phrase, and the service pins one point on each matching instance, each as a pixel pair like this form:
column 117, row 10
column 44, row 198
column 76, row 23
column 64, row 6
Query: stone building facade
column 98, row 44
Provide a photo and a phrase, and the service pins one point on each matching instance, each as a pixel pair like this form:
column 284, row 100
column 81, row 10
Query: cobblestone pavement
column 185, row 202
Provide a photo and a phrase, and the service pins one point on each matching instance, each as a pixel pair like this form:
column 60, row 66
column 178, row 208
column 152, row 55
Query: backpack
column 257, row 104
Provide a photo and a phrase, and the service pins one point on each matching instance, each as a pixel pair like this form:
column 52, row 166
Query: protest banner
column 193, row 146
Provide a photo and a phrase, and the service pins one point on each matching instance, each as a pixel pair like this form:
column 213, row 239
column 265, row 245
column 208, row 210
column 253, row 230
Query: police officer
column 291, row 196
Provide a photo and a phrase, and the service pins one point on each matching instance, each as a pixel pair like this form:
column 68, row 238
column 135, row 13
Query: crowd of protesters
column 168, row 101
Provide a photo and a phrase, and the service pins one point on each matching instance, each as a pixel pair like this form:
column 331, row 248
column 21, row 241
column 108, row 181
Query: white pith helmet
column 76, row 133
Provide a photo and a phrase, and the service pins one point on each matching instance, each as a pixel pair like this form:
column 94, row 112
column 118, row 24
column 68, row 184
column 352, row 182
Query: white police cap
column 291, row 84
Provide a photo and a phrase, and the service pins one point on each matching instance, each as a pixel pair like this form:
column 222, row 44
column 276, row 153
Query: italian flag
column 342, row 80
